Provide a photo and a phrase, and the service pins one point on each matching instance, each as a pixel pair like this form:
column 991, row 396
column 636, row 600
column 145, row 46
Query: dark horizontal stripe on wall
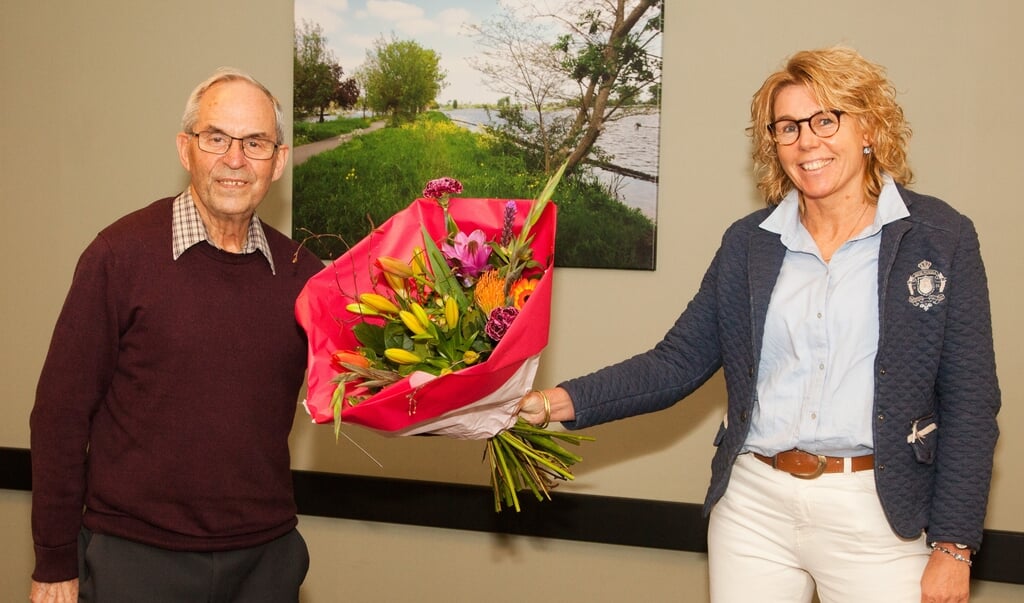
column 604, row 519
column 15, row 469
column 579, row 517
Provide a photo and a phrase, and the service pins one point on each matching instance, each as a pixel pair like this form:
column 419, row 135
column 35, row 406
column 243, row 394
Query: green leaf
column 444, row 281
column 370, row 335
column 537, row 207
column 395, row 335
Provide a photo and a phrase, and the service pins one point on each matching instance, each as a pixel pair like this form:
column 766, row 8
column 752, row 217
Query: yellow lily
column 451, row 312
column 421, row 315
column 362, row 309
column 397, row 284
column 412, row 322
column 379, row 302
column 419, row 265
column 402, row 356
column 395, row 266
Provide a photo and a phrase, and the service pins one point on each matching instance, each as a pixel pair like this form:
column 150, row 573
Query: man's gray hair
column 227, row 74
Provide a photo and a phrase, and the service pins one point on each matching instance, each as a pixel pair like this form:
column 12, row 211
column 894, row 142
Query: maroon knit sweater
column 167, row 396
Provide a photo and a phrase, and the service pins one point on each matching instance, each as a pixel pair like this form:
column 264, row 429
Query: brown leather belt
column 809, row 466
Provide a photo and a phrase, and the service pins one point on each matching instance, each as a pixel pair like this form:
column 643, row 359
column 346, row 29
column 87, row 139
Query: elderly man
column 160, row 429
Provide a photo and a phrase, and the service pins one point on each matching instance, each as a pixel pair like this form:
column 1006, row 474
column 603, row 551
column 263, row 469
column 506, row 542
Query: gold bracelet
column 938, row 547
column 547, row 409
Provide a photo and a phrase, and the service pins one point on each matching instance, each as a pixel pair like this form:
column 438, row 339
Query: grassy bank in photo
column 349, row 190
column 306, row 132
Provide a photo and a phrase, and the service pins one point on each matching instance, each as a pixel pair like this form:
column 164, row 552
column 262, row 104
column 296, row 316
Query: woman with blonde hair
column 851, row 319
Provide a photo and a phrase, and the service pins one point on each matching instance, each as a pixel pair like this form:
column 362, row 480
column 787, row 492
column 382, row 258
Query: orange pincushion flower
column 490, row 291
column 522, row 290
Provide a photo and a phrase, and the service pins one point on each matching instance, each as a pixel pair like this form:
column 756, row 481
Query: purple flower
column 442, row 187
column 468, row 255
column 499, row 321
column 506, row 227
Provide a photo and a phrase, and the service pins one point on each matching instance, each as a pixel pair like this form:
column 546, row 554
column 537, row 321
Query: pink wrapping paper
column 403, row 408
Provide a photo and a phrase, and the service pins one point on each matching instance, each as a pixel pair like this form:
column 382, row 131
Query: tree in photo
column 319, row 81
column 600, row 65
column 517, row 62
column 401, row 78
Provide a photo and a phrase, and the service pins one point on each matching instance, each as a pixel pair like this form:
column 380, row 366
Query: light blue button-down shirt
column 815, row 383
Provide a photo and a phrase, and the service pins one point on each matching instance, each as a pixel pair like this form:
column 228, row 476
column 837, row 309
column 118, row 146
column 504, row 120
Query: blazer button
column 744, row 416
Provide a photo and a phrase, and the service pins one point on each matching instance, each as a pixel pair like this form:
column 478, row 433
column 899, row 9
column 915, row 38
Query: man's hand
column 54, row 592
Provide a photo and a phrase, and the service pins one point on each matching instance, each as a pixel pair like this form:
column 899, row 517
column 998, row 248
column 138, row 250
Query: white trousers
column 775, row 537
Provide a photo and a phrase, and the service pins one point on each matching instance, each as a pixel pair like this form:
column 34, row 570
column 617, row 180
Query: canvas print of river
column 497, row 94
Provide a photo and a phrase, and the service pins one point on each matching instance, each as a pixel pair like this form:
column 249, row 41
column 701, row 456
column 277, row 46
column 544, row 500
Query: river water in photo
column 632, row 140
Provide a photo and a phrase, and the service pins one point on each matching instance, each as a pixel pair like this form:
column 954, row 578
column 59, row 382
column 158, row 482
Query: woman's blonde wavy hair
column 842, row 80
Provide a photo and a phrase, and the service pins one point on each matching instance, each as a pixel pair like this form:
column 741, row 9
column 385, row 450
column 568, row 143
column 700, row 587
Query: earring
column 867, row 150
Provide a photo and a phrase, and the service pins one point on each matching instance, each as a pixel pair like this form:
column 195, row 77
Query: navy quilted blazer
column 935, row 367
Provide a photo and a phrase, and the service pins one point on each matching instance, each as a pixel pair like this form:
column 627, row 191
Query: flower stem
column 527, row 457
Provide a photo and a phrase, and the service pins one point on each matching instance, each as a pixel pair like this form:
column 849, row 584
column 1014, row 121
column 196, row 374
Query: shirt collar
column 785, row 220
column 187, row 229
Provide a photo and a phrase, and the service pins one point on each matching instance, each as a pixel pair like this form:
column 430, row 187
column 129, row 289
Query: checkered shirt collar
column 187, row 229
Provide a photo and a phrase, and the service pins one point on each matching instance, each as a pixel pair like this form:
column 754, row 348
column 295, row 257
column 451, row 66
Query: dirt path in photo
column 301, row 154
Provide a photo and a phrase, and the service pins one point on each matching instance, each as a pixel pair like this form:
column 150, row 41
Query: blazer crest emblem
column 926, row 286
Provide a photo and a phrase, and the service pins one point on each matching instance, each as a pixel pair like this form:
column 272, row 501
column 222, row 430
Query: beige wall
column 91, row 95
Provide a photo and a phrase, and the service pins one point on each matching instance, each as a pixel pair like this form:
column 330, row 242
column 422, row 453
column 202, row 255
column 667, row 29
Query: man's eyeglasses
column 218, row 143
column 823, row 125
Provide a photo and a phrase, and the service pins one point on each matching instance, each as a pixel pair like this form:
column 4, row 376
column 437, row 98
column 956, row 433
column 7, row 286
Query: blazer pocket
column 923, row 438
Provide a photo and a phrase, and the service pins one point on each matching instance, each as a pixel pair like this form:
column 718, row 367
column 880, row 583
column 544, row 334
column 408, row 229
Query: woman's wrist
column 561, row 404
column 547, row 409
column 540, row 407
column 959, row 552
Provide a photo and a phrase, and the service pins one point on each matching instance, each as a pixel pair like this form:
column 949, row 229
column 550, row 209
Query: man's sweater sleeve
column 73, row 382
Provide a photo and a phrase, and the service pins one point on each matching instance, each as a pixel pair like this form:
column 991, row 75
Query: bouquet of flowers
column 434, row 323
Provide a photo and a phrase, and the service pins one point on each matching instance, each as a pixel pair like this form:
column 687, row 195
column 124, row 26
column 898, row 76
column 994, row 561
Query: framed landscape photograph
column 497, row 94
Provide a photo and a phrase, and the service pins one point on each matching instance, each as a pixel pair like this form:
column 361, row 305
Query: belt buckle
column 822, row 463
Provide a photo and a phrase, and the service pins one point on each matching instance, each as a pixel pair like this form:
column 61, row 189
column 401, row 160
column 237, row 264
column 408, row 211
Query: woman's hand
column 945, row 579
column 542, row 407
